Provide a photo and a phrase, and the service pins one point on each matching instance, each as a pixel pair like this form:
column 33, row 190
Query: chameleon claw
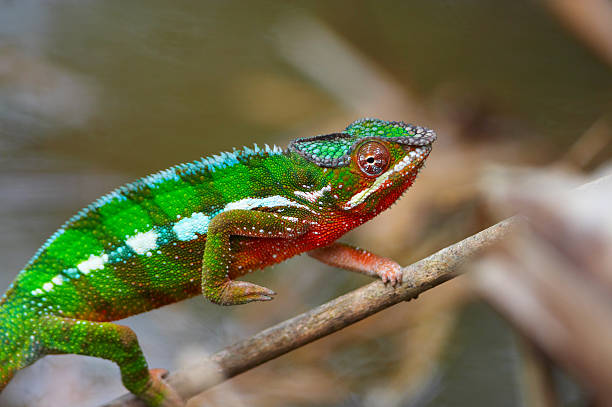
column 390, row 272
column 159, row 393
column 242, row 292
column 160, row 374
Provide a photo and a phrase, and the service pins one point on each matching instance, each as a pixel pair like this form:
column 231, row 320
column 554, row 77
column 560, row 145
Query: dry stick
column 329, row 317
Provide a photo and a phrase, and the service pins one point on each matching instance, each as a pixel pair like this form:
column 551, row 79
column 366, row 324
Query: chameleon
column 194, row 229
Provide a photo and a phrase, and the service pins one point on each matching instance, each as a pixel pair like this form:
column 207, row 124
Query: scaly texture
column 195, row 228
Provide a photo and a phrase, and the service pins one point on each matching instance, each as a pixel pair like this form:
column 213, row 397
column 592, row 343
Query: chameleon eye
column 373, row 158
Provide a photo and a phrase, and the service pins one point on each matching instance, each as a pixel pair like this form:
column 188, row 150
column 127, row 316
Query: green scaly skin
column 194, row 229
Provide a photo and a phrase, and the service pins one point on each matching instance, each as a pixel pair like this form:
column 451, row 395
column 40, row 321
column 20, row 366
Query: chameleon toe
column 159, row 393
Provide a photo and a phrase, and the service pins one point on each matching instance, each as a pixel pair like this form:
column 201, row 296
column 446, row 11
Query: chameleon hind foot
column 117, row 343
column 241, row 292
column 158, row 393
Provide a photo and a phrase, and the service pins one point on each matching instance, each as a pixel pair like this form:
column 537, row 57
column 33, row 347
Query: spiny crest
column 205, row 164
column 212, row 163
column 334, row 150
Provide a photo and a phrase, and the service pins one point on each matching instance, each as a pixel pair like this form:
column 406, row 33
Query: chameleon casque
column 194, row 229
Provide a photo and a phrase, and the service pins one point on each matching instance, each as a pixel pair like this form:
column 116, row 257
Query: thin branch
column 328, row 318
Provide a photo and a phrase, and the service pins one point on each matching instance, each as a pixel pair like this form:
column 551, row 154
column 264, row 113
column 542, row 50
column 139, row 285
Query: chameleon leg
column 116, row 343
column 216, row 284
column 351, row 258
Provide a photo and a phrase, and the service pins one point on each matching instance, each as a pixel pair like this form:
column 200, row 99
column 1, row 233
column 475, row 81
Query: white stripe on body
column 186, row 229
column 267, row 202
column 315, row 195
column 143, row 242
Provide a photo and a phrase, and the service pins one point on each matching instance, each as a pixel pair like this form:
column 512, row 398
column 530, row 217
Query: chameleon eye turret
column 194, row 229
column 373, row 158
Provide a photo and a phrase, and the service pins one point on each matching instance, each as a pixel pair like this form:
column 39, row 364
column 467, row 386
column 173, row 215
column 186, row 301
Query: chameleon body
column 194, row 229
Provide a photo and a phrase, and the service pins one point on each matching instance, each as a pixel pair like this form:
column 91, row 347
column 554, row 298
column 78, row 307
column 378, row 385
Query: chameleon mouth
column 414, row 159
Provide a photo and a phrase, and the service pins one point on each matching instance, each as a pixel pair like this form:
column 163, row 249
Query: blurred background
column 94, row 94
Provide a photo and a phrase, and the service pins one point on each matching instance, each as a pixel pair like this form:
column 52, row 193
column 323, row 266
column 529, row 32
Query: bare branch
column 329, row 317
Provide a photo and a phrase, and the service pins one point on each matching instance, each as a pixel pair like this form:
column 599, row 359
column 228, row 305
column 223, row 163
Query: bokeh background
column 94, row 94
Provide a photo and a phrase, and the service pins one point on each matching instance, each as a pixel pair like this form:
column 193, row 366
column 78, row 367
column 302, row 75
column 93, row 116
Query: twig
column 329, row 317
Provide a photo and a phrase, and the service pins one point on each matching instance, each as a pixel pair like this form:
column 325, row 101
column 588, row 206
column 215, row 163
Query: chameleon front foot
column 218, row 257
column 359, row 260
column 389, row 271
column 241, row 292
column 158, row 393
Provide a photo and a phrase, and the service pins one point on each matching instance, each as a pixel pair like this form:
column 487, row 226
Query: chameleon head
column 370, row 164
